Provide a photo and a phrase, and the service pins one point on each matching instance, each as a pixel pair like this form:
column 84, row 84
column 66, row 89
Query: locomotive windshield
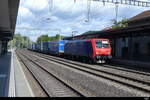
column 102, row 44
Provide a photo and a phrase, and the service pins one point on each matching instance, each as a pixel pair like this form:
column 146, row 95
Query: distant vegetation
column 45, row 38
column 19, row 41
column 120, row 24
column 90, row 32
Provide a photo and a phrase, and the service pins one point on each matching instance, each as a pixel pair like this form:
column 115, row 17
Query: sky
column 66, row 17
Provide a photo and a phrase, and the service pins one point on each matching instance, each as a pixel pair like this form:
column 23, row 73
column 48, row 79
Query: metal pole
column 116, row 10
column 88, row 10
column 59, row 34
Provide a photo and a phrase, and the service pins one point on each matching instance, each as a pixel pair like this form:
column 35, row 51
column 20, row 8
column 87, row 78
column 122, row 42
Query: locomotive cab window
column 102, row 44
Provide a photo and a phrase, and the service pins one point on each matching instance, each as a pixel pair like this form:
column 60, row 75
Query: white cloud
column 24, row 12
column 35, row 4
column 53, row 18
column 69, row 16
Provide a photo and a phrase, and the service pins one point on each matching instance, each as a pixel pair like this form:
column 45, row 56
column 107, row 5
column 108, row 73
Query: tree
column 120, row 24
column 90, row 32
column 58, row 37
column 45, row 38
column 20, row 41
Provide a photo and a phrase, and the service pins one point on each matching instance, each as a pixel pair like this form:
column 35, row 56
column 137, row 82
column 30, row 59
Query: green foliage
column 19, row 41
column 45, row 38
column 90, row 32
column 119, row 24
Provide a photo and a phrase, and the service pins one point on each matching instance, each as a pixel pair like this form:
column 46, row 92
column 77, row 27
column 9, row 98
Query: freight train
column 89, row 50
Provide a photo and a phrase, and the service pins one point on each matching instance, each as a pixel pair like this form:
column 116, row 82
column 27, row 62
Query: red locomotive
column 95, row 50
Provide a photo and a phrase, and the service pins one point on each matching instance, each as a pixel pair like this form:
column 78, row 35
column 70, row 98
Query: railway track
column 133, row 82
column 123, row 71
column 52, row 86
column 119, row 67
column 96, row 66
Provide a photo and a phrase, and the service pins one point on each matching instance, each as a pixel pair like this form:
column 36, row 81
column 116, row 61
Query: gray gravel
column 94, row 86
column 52, row 86
column 143, row 77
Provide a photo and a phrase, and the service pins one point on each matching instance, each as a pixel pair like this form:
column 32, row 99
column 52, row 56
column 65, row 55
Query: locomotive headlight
column 97, row 52
column 109, row 52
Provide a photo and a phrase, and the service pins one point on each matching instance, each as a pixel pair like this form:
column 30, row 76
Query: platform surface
column 5, row 63
column 23, row 88
column 13, row 82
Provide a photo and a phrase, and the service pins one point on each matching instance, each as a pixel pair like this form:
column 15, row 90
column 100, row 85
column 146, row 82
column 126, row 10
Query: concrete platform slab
column 5, row 64
column 13, row 82
column 22, row 87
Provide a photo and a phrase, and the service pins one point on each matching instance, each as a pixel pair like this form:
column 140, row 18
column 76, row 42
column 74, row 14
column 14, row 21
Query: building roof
column 143, row 15
column 136, row 30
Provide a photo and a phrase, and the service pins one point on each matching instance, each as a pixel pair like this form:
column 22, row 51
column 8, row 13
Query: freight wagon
column 44, row 47
column 38, row 47
column 56, row 47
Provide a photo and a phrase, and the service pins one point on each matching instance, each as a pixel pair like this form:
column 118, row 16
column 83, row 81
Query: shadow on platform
column 5, row 65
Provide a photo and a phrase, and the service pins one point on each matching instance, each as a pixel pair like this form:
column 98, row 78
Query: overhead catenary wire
column 128, row 2
column 50, row 7
column 116, row 2
column 88, row 10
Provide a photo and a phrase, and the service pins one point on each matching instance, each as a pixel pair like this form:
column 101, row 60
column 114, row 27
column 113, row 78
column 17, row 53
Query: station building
column 135, row 45
column 129, row 43
column 8, row 17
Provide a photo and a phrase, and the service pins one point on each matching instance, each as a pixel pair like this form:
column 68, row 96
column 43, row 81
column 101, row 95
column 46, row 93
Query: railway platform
column 13, row 82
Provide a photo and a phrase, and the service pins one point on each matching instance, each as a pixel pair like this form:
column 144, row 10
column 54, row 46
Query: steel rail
column 60, row 80
column 86, row 69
